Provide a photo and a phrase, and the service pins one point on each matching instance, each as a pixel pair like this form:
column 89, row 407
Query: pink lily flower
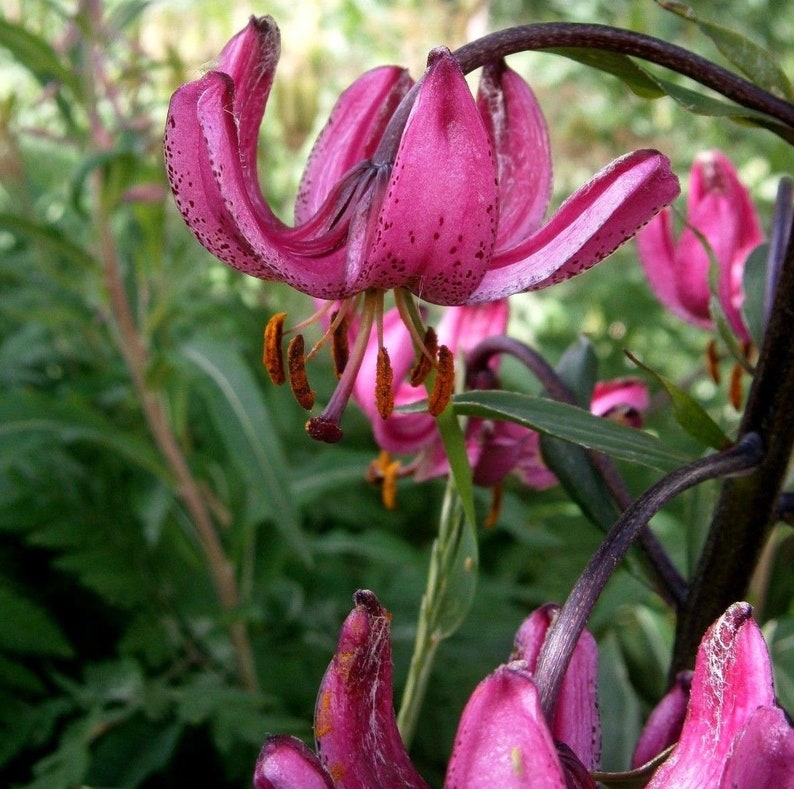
column 734, row 735
column 719, row 211
column 414, row 187
column 358, row 744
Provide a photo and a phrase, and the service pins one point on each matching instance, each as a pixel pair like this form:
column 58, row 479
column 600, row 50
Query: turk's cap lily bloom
column 720, row 213
column 417, row 187
column 502, row 728
column 437, row 192
column 734, row 735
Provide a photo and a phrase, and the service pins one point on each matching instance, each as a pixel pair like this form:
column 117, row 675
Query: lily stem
column 669, row 582
column 567, row 627
column 561, row 35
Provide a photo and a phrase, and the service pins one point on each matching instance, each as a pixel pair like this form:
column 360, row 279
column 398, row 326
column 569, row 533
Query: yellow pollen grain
column 272, row 357
column 516, row 762
column 444, row 383
column 298, row 381
column 384, row 378
column 389, row 490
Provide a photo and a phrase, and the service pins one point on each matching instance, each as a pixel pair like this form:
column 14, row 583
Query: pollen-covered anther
column 387, row 471
column 384, row 379
column 299, row 383
column 272, row 357
column 426, row 359
column 444, row 383
column 340, row 350
column 324, row 430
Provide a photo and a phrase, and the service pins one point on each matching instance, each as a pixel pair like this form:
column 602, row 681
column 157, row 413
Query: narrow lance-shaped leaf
column 570, row 423
column 688, row 412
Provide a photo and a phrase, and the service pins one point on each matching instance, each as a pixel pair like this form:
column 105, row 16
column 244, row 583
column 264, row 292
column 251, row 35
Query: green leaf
column 578, row 369
column 754, row 287
column 620, row 66
column 36, row 55
column 244, row 423
column 752, row 60
column 27, row 628
column 32, row 415
column 689, row 413
column 571, row 424
column 49, row 238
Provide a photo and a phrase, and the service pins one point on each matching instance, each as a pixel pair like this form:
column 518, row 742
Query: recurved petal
column 520, row 140
column 353, row 131
column 576, row 719
column 354, row 724
column 436, row 229
column 286, row 763
column 732, row 679
column 250, row 59
column 657, row 251
column 196, row 192
column 502, row 738
column 322, row 275
column 590, row 225
column 763, row 753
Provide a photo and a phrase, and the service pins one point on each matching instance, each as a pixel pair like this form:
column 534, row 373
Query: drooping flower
column 412, row 187
column 720, row 213
column 734, row 735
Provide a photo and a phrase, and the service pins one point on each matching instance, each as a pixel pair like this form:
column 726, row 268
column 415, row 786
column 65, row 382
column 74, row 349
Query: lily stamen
column 298, row 380
column 272, row 357
column 444, row 383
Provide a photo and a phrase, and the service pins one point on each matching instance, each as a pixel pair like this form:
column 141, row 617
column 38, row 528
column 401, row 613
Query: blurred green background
column 121, row 662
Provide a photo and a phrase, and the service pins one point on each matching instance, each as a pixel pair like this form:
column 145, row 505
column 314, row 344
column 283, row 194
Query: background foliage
column 119, row 663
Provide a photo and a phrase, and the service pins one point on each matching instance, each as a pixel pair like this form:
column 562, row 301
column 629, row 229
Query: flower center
column 354, row 319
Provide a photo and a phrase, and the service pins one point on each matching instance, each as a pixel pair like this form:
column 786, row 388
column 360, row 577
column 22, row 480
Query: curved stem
column 554, row 35
column 566, row 629
column 670, row 583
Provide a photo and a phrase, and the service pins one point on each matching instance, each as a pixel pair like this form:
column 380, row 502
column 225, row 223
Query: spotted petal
column 520, row 139
column 436, row 230
column 590, row 225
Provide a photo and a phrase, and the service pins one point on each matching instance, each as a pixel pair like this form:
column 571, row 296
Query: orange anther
column 713, row 361
column 444, row 384
column 384, row 378
column 272, row 358
column 340, row 350
column 424, row 363
column 298, row 381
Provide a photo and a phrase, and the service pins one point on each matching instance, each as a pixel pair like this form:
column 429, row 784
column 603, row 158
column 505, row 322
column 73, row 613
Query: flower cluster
column 733, row 734
column 417, row 187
